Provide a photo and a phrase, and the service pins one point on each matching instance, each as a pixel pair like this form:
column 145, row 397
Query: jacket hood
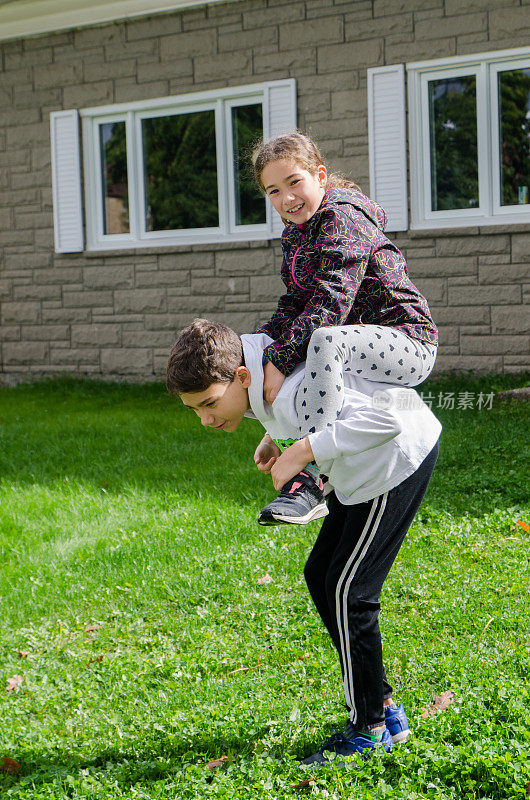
column 354, row 197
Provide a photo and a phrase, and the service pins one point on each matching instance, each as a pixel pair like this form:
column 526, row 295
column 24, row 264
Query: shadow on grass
column 119, row 437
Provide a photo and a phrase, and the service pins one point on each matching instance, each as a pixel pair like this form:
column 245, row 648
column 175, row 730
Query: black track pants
column 345, row 572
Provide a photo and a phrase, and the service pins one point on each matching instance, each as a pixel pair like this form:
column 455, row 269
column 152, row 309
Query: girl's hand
column 266, row 454
column 272, row 381
column 291, row 462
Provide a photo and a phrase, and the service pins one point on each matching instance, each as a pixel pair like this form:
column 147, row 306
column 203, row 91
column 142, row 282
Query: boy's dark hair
column 205, row 353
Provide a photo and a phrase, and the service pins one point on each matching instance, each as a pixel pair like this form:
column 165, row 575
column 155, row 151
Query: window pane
column 514, row 125
column 247, row 127
column 114, row 177
column 180, row 172
column 454, row 153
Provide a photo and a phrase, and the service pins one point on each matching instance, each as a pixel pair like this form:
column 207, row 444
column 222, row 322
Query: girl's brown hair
column 299, row 148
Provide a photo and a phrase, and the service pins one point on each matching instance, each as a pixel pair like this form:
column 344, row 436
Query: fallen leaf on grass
column 10, row 765
column 302, row 784
column 523, row 525
column 23, row 653
column 439, row 703
column 218, row 762
column 14, row 683
column 527, row 787
column 242, row 669
column 95, row 659
column 90, row 628
column 265, row 579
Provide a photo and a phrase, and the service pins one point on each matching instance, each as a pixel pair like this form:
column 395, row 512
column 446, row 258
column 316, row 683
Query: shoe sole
column 316, row 513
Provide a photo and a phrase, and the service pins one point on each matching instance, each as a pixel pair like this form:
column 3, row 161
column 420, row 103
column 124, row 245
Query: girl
column 349, row 305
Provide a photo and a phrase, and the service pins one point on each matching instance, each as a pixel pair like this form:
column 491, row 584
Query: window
column 176, row 170
column 470, row 140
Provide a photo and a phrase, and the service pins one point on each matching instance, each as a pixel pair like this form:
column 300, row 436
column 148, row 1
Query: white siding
column 388, row 144
column 66, row 182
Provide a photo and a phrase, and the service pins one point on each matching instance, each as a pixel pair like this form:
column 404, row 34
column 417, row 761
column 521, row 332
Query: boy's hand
column 266, row 454
column 272, row 381
column 291, row 462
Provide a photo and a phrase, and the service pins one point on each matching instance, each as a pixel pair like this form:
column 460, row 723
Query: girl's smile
column 295, row 193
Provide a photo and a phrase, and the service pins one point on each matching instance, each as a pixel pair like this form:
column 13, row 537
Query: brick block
column 159, row 278
column 384, row 8
column 103, row 71
column 419, row 50
column 112, row 277
column 504, row 273
column 66, row 315
column 186, row 260
column 89, row 94
column 470, row 246
column 95, row 335
column 239, row 321
column 441, row 267
column 34, row 220
column 87, row 299
column 74, row 357
column 113, row 34
column 260, row 18
column 267, row 288
column 450, row 26
column 128, row 91
column 145, row 338
column 350, row 56
column 29, row 261
column 468, row 363
column 45, row 333
column 10, row 333
column 59, row 75
column 515, row 319
column 17, row 313
column 521, row 247
column 309, row 32
column 138, row 49
column 286, row 63
column 434, row 289
column 243, row 262
column 222, row 66
column 188, row 45
column 140, row 301
column 127, row 361
column 448, row 335
column 35, row 292
column 506, row 23
column 356, row 29
column 23, row 354
column 167, row 69
column 150, row 28
column 225, row 286
column 484, row 295
column 64, row 277
column 495, row 345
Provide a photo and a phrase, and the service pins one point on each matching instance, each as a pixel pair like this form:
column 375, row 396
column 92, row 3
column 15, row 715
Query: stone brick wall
column 116, row 314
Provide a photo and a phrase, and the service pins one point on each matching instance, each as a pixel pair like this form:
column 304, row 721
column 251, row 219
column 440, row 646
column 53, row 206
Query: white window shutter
column 66, row 182
column 387, row 143
column 282, row 119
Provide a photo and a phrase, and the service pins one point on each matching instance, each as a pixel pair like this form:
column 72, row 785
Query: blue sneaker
column 397, row 723
column 347, row 743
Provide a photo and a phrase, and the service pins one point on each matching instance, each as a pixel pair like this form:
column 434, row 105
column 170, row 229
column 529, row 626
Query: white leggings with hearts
column 373, row 352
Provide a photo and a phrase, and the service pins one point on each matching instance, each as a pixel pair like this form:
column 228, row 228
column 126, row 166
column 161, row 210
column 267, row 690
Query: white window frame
column 220, row 101
column 485, row 66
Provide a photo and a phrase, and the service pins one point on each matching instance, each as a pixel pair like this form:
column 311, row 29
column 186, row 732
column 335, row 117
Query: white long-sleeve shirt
column 382, row 434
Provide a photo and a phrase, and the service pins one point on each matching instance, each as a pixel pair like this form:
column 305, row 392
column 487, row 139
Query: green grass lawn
column 146, row 647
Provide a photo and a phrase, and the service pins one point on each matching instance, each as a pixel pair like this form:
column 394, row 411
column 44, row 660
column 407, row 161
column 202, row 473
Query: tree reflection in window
column 180, row 171
column 113, row 146
column 453, row 143
column 247, row 127
column 514, row 126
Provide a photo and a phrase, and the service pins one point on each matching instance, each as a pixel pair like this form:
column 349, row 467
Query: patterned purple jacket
column 340, row 269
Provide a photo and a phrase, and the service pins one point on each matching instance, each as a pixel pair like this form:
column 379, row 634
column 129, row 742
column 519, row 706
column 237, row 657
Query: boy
column 379, row 456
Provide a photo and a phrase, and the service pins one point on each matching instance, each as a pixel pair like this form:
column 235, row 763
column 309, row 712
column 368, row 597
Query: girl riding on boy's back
column 349, row 305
